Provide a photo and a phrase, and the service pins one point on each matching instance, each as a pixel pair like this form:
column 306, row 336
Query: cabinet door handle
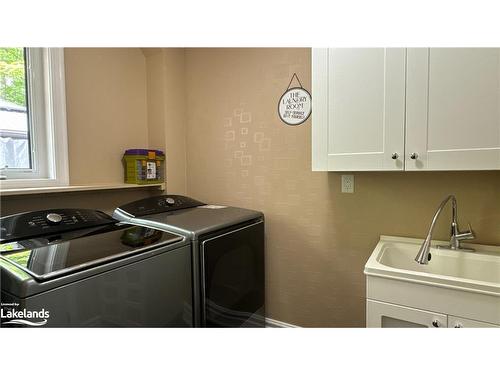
column 458, row 325
column 413, row 155
column 435, row 323
column 394, row 155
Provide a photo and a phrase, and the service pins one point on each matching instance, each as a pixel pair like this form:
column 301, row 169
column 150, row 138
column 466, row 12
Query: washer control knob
column 170, row 201
column 53, row 218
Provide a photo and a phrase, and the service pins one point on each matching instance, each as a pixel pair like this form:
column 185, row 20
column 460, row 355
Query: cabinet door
column 387, row 315
column 457, row 322
column 358, row 109
column 453, row 115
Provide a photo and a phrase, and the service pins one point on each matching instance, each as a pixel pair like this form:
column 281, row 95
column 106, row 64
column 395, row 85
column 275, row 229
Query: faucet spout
column 423, row 255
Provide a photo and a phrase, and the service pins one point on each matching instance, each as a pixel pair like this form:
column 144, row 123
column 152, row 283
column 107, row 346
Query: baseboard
column 272, row 323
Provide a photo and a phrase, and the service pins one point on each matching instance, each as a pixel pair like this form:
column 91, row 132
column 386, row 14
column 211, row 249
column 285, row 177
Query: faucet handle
column 467, row 235
column 470, row 231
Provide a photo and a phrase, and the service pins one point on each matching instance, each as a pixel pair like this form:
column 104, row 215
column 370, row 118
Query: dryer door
column 233, row 278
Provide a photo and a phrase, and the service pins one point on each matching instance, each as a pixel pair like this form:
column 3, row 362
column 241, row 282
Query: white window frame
column 46, row 96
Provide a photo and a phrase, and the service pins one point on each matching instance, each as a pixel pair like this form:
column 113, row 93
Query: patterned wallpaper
column 318, row 239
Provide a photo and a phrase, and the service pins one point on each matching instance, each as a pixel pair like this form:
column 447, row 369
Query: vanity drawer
column 387, row 315
column 458, row 322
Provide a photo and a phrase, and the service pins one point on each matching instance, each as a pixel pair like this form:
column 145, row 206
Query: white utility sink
column 477, row 271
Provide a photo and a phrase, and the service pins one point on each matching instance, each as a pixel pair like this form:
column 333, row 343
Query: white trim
column 36, row 99
column 68, row 189
column 50, row 149
column 319, row 94
column 36, row 113
column 59, row 136
column 273, row 323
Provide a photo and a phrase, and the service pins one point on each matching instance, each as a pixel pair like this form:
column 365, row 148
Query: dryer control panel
column 159, row 204
column 40, row 223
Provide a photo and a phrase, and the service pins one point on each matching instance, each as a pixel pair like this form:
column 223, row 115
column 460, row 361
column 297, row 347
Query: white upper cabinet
column 358, row 100
column 378, row 109
column 453, row 108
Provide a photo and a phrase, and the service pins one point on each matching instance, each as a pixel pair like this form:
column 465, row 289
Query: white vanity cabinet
column 456, row 289
column 377, row 109
column 387, row 315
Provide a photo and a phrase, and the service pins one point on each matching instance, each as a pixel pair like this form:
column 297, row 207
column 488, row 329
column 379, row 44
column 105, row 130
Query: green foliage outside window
column 12, row 77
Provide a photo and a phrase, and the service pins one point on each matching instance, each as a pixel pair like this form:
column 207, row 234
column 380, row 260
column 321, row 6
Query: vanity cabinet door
column 358, row 109
column 387, row 315
column 453, row 116
column 457, row 322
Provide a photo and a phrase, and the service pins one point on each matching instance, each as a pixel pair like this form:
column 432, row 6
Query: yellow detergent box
column 143, row 166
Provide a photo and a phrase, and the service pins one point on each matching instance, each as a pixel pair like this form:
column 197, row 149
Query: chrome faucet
column 423, row 255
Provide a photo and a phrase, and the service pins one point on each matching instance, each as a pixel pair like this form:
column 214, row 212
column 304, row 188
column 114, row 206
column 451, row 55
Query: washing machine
column 227, row 251
column 82, row 268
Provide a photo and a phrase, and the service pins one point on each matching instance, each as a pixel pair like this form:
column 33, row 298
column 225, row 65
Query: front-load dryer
column 82, row 268
column 228, row 255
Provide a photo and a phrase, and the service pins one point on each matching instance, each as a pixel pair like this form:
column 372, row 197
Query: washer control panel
column 159, row 204
column 40, row 223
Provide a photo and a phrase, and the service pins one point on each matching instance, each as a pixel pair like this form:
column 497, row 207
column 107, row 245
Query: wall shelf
column 76, row 188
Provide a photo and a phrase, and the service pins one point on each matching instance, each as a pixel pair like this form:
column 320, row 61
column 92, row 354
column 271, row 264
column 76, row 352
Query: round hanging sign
column 294, row 106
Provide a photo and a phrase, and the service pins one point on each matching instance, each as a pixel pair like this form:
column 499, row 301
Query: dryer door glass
column 233, row 278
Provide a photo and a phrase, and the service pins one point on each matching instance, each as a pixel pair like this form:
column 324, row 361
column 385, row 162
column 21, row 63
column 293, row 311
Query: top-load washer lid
column 185, row 215
column 155, row 205
column 50, row 255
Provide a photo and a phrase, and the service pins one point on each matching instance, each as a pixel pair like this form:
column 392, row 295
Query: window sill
column 68, row 189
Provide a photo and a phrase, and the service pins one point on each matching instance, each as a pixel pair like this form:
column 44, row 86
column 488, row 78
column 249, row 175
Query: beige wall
column 318, row 239
column 155, row 93
column 104, row 200
column 106, row 111
column 167, row 112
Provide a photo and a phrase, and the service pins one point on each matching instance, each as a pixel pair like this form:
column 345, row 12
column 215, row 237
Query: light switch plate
column 347, row 183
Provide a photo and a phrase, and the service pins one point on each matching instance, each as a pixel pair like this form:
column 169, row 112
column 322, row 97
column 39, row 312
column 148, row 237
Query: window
column 33, row 144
